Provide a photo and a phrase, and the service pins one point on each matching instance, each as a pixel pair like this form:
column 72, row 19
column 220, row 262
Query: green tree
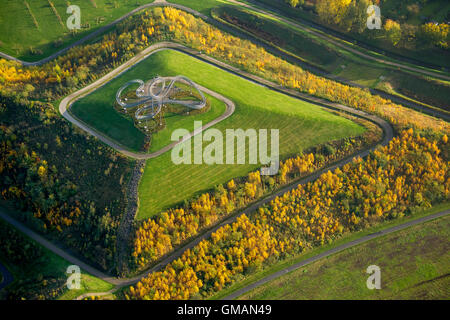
column 393, row 31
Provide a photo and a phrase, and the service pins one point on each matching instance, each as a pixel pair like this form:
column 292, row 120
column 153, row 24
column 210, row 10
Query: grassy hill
column 164, row 184
column 301, row 126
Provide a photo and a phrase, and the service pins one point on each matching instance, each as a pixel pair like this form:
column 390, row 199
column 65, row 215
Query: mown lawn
column 301, row 125
column 19, row 33
column 414, row 264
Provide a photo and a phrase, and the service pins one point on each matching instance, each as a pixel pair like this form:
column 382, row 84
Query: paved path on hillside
column 66, row 102
column 337, row 249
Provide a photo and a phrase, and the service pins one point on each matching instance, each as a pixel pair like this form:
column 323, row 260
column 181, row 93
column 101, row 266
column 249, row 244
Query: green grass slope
column 301, row 126
column 336, row 61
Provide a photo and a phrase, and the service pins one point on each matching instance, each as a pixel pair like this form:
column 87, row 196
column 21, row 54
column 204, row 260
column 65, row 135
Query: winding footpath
column 64, row 109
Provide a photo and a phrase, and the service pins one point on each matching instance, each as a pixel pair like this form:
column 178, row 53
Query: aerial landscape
column 223, row 150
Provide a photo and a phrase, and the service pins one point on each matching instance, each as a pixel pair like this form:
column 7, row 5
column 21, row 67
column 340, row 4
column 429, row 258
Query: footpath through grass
column 301, row 125
column 345, row 239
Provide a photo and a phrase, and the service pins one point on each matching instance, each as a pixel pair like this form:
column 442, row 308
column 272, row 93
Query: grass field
column 20, row 32
column 301, row 126
column 414, row 264
column 88, row 284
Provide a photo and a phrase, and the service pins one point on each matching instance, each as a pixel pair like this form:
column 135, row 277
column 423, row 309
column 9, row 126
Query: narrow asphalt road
column 337, row 249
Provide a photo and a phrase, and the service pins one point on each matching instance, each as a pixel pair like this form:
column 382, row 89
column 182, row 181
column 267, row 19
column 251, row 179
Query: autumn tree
column 393, row 31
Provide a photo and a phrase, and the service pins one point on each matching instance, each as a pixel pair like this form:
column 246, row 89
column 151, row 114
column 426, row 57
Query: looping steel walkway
column 150, row 103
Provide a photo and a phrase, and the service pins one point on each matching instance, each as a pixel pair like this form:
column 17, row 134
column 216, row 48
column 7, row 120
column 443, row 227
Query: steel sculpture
column 152, row 95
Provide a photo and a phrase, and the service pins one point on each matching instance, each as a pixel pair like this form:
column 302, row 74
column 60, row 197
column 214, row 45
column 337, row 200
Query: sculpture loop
column 152, row 95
